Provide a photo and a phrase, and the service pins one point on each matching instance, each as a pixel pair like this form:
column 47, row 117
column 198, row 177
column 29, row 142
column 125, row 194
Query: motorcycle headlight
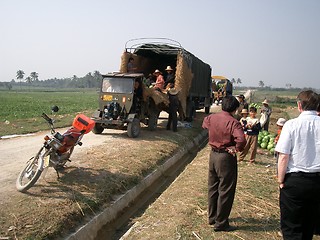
column 54, row 143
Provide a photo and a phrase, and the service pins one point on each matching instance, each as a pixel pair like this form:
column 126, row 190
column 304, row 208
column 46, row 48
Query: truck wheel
column 97, row 129
column 153, row 121
column 207, row 110
column 133, row 129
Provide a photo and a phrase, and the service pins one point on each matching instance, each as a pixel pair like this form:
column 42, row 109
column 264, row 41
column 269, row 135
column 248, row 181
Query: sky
column 274, row 41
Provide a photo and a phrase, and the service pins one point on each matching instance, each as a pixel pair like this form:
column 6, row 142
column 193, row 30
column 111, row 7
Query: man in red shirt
column 226, row 137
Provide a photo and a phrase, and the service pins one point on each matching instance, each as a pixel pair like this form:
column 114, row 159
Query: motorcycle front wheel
column 32, row 171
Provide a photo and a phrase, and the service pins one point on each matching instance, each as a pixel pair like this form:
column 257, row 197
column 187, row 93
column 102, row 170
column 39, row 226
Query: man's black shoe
column 227, row 229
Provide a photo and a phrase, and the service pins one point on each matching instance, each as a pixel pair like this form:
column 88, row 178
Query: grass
column 181, row 211
column 20, row 112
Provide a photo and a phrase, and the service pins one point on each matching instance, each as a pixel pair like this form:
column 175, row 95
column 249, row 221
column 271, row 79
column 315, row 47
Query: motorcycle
column 55, row 151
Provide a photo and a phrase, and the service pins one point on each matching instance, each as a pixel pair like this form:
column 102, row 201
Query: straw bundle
column 183, row 80
column 124, row 61
column 139, row 61
column 157, row 96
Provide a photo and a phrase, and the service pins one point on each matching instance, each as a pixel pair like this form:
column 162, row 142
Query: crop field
column 20, row 112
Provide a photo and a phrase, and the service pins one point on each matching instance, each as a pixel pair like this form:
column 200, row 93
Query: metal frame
column 133, row 44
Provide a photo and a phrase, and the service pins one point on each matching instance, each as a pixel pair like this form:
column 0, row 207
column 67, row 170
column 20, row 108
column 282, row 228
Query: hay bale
column 144, row 65
column 183, row 80
column 157, row 96
column 124, row 62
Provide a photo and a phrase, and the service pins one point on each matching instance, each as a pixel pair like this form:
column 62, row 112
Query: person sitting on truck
column 137, row 96
column 159, row 81
column 130, row 67
column 170, row 76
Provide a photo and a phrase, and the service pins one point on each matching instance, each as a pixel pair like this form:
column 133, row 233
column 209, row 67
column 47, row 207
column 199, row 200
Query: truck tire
column 153, row 121
column 97, row 129
column 133, row 129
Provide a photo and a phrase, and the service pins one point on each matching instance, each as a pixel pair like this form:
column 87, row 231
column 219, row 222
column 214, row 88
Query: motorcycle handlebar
column 45, row 116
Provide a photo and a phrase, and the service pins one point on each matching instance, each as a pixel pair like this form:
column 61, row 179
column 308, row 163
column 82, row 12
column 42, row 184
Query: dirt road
column 17, row 150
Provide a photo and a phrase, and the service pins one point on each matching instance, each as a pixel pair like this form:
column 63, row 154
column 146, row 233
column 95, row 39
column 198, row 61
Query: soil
column 104, row 167
column 180, row 212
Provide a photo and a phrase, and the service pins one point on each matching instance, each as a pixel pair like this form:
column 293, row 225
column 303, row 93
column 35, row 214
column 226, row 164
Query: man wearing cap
column 266, row 111
column 225, row 139
column 299, row 170
column 243, row 105
column 280, row 123
column 173, row 108
column 170, row 76
column 243, row 120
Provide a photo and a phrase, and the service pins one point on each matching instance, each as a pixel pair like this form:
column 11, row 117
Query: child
column 253, row 128
column 243, row 120
column 280, row 123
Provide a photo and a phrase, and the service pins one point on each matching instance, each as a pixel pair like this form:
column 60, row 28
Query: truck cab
column 121, row 104
column 221, row 87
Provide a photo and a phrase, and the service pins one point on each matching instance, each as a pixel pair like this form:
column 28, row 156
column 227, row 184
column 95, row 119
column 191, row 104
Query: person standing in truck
column 170, row 77
column 130, row 67
column 226, row 137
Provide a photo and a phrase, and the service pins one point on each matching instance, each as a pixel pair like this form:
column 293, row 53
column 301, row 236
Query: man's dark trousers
column 222, row 181
column 299, row 204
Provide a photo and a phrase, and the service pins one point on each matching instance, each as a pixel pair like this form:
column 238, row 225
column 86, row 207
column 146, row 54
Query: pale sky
column 274, row 41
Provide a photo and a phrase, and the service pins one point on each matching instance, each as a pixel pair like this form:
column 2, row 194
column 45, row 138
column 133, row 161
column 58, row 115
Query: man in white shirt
column 299, row 169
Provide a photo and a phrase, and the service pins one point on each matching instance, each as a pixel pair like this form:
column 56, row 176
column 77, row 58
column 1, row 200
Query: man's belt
column 219, row 150
column 304, row 174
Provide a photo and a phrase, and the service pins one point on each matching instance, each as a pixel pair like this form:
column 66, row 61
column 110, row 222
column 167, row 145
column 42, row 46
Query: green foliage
column 256, row 105
column 23, row 105
column 20, row 112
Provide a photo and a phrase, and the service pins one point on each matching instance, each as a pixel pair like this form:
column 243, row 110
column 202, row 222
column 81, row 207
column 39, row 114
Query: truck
column 192, row 79
column 192, row 75
column 221, row 87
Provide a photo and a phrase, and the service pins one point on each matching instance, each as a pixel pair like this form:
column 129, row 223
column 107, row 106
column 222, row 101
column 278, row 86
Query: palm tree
column 233, row 81
column 29, row 81
column 74, row 78
column 239, row 81
column 34, row 76
column 261, row 84
column 288, row 85
column 20, row 75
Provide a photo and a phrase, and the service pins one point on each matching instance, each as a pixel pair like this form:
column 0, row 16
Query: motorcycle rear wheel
column 32, row 171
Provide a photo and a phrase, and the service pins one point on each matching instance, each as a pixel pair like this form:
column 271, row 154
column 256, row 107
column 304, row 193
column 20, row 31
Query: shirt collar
column 308, row 113
column 226, row 113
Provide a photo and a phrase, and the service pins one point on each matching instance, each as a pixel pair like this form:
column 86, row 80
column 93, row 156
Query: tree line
column 90, row 80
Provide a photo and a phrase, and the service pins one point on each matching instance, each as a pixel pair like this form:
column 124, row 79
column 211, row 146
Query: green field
column 20, row 112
